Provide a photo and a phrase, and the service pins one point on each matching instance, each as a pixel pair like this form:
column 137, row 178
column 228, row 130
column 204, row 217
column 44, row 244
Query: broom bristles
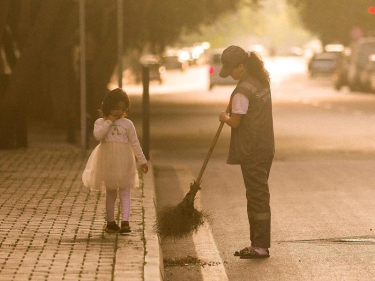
column 183, row 219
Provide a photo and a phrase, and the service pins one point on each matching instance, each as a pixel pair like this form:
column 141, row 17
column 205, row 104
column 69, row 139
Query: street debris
column 188, row 260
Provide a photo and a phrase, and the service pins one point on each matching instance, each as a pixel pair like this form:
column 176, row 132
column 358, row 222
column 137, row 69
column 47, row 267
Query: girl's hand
column 117, row 113
column 223, row 117
column 114, row 115
column 144, row 168
column 111, row 118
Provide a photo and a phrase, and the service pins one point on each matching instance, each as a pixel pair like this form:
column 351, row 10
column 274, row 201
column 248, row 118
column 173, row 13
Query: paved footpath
column 51, row 227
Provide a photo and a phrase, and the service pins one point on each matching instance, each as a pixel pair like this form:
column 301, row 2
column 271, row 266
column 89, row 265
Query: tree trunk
column 101, row 65
column 101, row 72
column 25, row 75
column 4, row 7
column 63, row 87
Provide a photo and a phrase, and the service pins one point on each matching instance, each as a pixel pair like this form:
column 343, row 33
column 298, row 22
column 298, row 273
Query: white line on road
column 206, row 250
column 204, row 242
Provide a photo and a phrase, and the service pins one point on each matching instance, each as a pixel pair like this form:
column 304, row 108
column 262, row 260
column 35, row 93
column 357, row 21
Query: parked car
column 360, row 59
column 214, row 66
column 176, row 59
column 372, row 82
column 367, row 75
column 156, row 71
column 340, row 77
column 324, row 63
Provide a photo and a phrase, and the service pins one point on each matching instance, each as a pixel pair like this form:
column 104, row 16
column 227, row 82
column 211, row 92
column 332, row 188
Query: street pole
column 120, row 43
column 82, row 30
column 146, row 111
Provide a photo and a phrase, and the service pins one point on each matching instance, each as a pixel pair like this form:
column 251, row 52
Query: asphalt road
column 322, row 181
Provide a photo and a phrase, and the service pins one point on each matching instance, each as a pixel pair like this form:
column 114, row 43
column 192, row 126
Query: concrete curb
column 153, row 267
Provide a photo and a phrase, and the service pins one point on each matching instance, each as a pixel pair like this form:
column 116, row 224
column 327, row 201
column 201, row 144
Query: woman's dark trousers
column 255, row 175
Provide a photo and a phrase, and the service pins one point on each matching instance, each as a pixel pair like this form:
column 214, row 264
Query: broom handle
column 199, row 178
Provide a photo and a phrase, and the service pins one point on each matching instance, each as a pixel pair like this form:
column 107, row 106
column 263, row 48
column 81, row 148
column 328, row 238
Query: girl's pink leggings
column 111, row 196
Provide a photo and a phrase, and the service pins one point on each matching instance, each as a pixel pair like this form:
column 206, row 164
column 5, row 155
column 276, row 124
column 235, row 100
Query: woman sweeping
column 252, row 141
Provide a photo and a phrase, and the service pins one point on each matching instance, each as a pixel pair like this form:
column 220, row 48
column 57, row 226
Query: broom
column 181, row 220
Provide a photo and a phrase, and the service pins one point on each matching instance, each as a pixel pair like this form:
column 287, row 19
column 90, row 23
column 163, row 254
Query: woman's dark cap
column 230, row 58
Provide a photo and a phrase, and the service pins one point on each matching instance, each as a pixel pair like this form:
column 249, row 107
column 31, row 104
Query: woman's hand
column 223, row 117
column 144, row 168
column 233, row 121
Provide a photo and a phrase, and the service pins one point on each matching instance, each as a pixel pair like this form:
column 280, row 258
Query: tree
column 274, row 24
column 335, row 20
column 44, row 81
column 26, row 76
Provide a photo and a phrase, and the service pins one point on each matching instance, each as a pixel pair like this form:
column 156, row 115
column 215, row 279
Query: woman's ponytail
column 255, row 68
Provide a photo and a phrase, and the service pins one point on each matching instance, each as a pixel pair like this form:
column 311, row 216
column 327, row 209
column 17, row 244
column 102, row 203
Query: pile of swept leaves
column 188, row 260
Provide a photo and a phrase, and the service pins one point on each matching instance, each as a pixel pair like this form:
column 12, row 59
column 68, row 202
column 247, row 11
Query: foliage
column 334, row 20
column 46, row 35
column 271, row 23
column 158, row 23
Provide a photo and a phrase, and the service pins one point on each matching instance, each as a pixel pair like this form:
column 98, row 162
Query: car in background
column 324, row 63
column 196, row 55
column 214, row 66
column 176, row 59
column 372, row 81
column 360, row 59
column 340, row 77
column 260, row 50
column 156, row 70
column 367, row 76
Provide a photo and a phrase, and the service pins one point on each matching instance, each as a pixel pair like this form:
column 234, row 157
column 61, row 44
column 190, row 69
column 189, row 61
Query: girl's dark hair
column 112, row 99
column 255, row 67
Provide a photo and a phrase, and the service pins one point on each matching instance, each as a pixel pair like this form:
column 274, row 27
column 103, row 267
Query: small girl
column 112, row 165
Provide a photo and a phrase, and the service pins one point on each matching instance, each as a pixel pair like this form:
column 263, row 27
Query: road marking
column 204, row 242
column 206, row 250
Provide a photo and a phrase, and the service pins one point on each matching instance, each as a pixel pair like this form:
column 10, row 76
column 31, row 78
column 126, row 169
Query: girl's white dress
column 111, row 164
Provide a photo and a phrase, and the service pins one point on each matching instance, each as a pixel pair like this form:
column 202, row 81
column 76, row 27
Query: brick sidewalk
column 51, row 227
